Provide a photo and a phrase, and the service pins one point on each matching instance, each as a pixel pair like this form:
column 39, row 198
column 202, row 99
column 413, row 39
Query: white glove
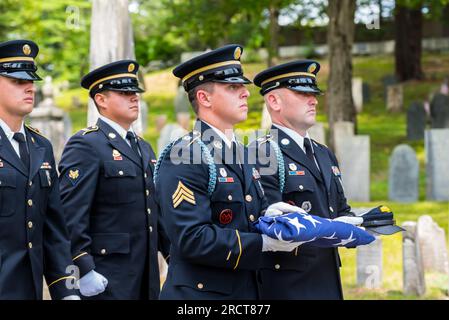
column 356, row 221
column 279, row 208
column 72, row 297
column 92, row 283
column 270, row 244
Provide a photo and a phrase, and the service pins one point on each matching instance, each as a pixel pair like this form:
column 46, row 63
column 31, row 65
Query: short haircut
column 208, row 86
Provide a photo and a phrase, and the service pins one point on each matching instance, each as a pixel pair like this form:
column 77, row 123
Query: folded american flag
column 316, row 231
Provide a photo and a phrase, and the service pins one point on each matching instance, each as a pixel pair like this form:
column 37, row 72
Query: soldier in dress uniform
column 106, row 179
column 208, row 192
column 296, row 169
column 33, row 236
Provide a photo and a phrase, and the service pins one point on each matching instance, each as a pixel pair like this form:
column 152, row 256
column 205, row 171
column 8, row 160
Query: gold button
column 30, row 202
column 331, row 209
column 301, row 187
column 230, row 198
column 120, row 172
column 251, row 217
column 277, row 266
column 200, row 285
column 145, row 175
column 103, row 251
column 30, row 245
column 151, row 229
column 248, row 198
column 147, row 192
column 30, row 224
column 149, row 211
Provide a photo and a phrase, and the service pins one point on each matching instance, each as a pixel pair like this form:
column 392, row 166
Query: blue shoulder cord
column 210, row 163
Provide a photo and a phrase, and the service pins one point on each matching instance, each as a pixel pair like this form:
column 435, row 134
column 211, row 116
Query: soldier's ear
column 272, row 100
column 203, row 98
column 100, row 101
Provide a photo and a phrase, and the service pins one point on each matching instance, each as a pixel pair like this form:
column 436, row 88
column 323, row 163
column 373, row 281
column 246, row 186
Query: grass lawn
column 386, row 131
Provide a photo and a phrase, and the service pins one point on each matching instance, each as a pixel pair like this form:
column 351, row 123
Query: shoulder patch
column 34, row 130
column 89, row 129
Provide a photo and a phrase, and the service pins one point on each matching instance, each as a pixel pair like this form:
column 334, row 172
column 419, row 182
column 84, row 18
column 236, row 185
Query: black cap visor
column 236, row 79
column 306, row 89
column 22, row 75
column 386, row 230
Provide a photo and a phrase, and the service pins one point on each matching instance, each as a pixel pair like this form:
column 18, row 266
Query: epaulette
column 89, row 129
column 34, row 130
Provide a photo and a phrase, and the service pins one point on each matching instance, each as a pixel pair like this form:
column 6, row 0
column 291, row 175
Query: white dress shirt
column 120, row 130
column 10, row 134
column 299, row 139
column 222, row 135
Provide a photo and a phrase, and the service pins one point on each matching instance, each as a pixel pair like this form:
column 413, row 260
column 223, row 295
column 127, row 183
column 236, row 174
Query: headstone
column 51, row 121
column 395, row 98
column 387, row 81
column 403, row 175
column 366, row 92
column 317, row 133
column 342, row 129
column 416, row 121
column 357, row 94
column 369, row 265
column 266, row 119
column 353, row 154
column 161, row 121
column 439, row 111
column 432, row 242
column 181, row 102
column 111, row 18
column 413, row 269
column 169, row 132
column 437, row 164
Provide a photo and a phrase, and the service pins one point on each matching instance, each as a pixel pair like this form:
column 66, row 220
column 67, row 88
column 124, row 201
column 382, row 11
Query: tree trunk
column 273, row 47
column 340, row 39
column 408, row 36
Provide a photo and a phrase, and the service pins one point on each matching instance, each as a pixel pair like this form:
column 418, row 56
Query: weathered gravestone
column 403, row 175
column 53, row 122
column 395, row 98
column 439, row 111
column 369, row 265
column 416, row 121
column 437, row 164
column 413, row 269
column 432, row 243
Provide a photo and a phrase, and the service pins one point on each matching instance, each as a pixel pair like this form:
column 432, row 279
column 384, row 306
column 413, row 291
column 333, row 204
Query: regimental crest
column 307, row 206
column 74, row 175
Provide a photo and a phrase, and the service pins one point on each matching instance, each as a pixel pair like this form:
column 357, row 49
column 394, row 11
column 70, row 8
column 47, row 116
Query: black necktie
column 132, row 140
column 24, row 156
column 308, row 148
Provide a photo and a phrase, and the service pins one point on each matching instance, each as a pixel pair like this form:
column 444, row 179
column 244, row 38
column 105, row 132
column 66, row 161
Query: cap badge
column 26, row 50
column 237, row 53
column 312, row 68
column 131, row 67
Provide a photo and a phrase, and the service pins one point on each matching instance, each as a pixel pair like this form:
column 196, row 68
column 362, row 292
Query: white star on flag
column 295, row 222
column 332, row 237
column 345, row 241
column 308, row 217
